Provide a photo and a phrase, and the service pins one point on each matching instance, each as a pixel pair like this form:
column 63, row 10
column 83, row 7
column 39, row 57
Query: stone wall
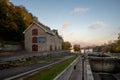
column 87, row 71
column 105, row 64
column 52, row 41
column 11, row 47
column 32, row 55
column 28, row 39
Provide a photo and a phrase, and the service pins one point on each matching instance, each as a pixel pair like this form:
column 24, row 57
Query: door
column 51, row 48
column 34, row 47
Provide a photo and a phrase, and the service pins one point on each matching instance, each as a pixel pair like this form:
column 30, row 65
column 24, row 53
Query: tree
column 115, row 46
column 76, row 48
column 66, row 45
column 119, row 36
column 13, row 21
column 118, row 44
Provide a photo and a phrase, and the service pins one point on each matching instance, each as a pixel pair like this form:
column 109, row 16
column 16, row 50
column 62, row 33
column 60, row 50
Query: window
column 34, row 32
column 34, row 39
column 42, row 39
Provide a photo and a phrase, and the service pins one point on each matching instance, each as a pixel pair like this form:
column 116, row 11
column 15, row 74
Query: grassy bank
column 40, row 59
column 52, row 72
column 115, row 54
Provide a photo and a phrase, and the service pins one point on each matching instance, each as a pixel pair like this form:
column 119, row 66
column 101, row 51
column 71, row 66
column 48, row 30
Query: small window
column 34, row 32
column 42, row 39
column 34, row 39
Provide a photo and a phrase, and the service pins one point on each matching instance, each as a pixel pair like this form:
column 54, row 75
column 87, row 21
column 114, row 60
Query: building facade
column 39, row 37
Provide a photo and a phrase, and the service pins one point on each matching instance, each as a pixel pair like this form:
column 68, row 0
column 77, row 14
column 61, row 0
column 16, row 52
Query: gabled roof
column 37, row 25
column 56, row 33
column 45, row 28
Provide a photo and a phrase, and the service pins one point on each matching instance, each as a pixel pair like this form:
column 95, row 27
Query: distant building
column 39, row 37
column 98, row 49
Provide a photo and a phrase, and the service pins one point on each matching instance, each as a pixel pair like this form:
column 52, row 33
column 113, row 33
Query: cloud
column 98, row 25
column 81, row 10
column 65, row 25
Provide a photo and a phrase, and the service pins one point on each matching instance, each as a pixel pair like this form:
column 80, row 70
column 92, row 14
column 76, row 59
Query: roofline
column 36, row 24
column 40, row 26
column 27, row 28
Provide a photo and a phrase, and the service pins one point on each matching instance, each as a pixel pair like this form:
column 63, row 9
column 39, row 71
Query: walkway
column 77, row 73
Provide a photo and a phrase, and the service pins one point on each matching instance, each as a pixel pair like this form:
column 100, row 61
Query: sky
column 84, row 22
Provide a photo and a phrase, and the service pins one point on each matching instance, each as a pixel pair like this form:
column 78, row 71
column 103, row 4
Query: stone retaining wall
column 31, row 55
column 11, row 47
column 105, row 64
column 87, row 71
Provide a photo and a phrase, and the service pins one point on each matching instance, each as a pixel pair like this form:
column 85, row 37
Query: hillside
column 13, row 21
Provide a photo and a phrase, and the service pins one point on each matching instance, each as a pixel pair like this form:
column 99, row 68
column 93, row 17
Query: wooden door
column 34, row 47
column 51, row 48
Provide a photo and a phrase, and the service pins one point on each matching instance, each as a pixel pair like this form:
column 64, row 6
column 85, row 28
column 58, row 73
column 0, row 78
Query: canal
column 104, row 67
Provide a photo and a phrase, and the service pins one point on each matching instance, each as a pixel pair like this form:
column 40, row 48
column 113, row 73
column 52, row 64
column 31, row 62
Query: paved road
column 77, row 73
column 18, row 70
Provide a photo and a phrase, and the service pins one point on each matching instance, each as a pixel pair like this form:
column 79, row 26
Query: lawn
column 115, row 54
column 40, row 59
column 52, row 72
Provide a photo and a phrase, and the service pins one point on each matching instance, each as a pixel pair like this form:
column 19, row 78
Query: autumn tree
column 13, row 21
column 76, row 48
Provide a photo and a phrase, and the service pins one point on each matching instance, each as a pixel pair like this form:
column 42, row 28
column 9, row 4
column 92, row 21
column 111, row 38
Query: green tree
column 118, row 44
column 115, row 46
column 66, row 45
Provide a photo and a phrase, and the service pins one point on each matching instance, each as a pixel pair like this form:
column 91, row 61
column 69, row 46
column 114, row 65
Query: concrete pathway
column 77, row 73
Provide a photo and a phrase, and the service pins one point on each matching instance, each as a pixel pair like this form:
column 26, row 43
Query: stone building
column 39, row 37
